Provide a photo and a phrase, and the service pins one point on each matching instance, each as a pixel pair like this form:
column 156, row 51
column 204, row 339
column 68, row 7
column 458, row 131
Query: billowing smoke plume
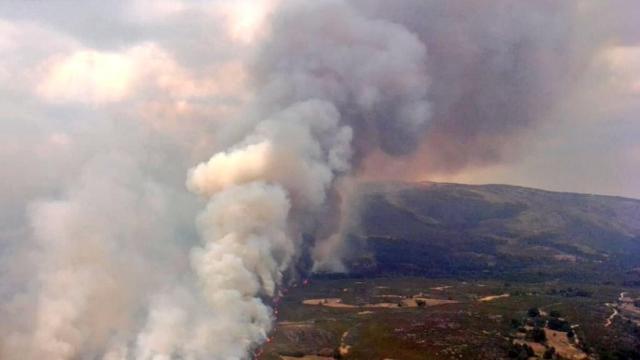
column 373, row 71
column 296, row 100
column 499, row 69
column 92, row 253
column 316, row 97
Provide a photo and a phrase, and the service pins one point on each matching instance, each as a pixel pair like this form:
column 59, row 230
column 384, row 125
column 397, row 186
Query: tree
column 570, row 334
column 520, row 351
column 515, row 323
column 529, row 350
column 558, row 325
column 555, row 313
column 538, row 335
column 533, row 312
column 548, row 354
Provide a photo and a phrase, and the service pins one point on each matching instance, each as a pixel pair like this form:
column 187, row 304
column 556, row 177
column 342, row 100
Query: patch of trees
column 537, row 322
column 569, row 292
column 548, row 354
column 520, row 351
column 556, row 324
column 515, row 323
column 538, row 335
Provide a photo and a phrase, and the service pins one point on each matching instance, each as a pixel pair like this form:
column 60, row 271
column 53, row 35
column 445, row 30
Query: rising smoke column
column 329, row 81
column 248, row 238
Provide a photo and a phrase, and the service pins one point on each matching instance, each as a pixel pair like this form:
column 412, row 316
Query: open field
column 339, row 319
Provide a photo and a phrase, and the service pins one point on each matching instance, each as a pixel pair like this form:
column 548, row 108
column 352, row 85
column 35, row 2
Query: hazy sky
column 560, row 80
column 176, row 66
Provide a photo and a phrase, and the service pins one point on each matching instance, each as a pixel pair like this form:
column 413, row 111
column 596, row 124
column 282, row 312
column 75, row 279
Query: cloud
column 88, row 76
column 624, row 63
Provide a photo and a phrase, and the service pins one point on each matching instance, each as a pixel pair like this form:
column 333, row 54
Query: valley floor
column 417, row 318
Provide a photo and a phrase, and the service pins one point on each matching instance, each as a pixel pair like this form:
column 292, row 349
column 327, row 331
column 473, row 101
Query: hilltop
column 438, row 229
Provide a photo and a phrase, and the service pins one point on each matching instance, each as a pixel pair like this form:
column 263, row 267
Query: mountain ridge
column 431, row 228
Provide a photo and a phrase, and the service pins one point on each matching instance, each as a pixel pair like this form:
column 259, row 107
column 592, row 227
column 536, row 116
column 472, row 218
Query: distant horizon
column 498, row 184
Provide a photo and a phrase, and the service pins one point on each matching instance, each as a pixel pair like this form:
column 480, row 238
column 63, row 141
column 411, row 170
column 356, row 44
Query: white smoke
column 248, row 237
column 92, row 251
column 301, row 147
column 271, row 186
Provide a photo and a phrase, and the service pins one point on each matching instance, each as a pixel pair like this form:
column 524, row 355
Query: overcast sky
column 179, row 67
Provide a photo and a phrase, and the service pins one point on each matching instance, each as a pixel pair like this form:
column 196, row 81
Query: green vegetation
column 533, row 312
column 497, row 232
column 520, row 351
column 559, row 325
column 538, row 335
column 469, row 329
column 548, row 354
column 529, row 271
column 569, row 292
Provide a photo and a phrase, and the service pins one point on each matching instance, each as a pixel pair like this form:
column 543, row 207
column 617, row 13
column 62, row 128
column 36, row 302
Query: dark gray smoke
column 498, row 69
column 374, row 71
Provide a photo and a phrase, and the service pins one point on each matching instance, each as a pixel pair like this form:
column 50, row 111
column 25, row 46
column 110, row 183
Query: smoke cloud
column 272, row 111
column 316, row 97
column 373, row 71
column 501, row 70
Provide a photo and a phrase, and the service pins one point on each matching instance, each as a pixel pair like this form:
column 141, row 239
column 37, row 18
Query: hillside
column 449, row 271
column 438, row 229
